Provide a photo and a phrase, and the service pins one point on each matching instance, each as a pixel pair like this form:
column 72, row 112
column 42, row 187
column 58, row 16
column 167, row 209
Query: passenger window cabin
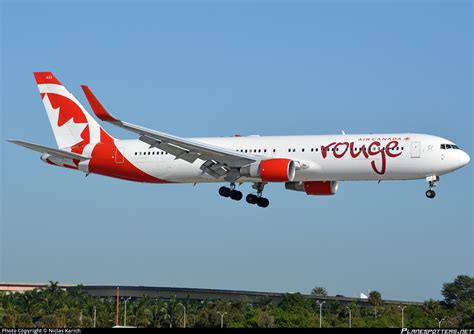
column 313, row 149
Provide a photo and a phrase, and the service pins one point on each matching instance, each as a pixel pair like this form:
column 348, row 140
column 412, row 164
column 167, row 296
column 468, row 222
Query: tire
column 224, row 191
column 236, row 195
column 263, row 202
column 251, row 199
column 430, row 193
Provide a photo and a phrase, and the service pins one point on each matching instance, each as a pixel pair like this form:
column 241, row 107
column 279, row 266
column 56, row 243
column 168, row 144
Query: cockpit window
column 449, row 146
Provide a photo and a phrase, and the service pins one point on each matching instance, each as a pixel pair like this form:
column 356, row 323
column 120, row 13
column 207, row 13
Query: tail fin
column 72, row 125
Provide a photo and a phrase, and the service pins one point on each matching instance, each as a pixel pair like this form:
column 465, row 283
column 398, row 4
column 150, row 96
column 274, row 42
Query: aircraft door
column 415, row 149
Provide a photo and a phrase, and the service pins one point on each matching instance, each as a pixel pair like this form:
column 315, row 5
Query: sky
column 239, row 67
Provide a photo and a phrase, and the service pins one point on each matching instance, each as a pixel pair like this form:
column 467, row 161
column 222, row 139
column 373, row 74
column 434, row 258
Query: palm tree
column 375, row 298
column 53, row 287
column 26, row 302
column 432, row 308
column 155, row 312
column 106, row 312
column 77, row 297
column 169, row 310
column 88, row 305
column 264, row 303
column 48, row 305
column 319, row 291
column 139, row 311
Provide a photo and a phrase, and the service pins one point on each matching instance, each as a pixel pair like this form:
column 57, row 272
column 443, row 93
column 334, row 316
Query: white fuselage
column 323, row 157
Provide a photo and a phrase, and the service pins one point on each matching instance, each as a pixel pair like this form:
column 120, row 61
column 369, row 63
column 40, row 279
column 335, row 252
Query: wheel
column 251, row 199
column 430, row 193
column 263, row 202
column 236, row 195
column 224, row 191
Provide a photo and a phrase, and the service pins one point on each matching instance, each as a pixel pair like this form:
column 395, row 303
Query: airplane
column 311, row 164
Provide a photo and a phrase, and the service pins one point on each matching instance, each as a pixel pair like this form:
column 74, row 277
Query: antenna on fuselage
column 343, row 132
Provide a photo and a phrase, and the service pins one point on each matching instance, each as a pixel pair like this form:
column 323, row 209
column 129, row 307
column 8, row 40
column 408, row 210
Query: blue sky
column 216, row 69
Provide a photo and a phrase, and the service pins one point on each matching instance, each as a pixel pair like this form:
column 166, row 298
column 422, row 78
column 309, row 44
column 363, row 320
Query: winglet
column 97, row 107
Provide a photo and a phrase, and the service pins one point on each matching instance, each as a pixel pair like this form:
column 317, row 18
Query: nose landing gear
column 430, row 193
column 432, row 182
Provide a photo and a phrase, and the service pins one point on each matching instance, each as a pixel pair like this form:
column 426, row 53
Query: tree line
column 55, row 307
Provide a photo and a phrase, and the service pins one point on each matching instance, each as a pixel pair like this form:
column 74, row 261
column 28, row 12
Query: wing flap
column 178, row 152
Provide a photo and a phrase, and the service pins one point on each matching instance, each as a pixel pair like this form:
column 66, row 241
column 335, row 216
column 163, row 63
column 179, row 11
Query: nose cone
column 463, row 158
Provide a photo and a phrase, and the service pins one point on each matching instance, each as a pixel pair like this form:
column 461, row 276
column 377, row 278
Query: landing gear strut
column 258, row 199
column 432, row 182
column 230, row 192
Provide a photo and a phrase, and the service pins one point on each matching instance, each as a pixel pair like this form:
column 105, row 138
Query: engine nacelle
column 321, row 188
column 54, row 160
column 277, row 170
column 44, row 157
column 271, row 170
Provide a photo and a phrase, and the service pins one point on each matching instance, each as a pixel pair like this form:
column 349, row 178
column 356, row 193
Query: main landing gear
column 432, row 182
column 258, row 199
column 250, row 198
column 230, row 192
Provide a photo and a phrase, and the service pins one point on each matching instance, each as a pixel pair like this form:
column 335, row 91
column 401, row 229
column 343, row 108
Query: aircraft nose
column 464, row 158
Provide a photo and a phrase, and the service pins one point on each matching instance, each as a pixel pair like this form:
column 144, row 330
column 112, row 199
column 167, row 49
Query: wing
column 218, row 161
column 49, row 150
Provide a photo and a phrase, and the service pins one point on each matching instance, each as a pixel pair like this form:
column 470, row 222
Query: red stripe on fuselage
column 103, row 162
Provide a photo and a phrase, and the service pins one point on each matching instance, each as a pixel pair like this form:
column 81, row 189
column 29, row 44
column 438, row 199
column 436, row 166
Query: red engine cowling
column 320, row 187
column 277, row 170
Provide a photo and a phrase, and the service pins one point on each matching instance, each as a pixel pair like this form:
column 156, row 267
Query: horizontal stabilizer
column 49, row 150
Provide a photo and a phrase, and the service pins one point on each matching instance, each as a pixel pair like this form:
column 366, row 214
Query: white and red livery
column 312, row 164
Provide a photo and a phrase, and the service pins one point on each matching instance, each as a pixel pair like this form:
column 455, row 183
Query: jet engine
column 321, row 188
column 44, row 157
column 271, row 170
